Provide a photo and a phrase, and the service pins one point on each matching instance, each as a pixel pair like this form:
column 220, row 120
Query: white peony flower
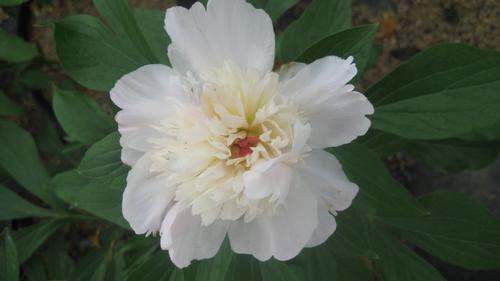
column 219, row 144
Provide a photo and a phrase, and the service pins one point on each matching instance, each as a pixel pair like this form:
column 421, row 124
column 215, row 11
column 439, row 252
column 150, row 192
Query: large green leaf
column 91, row 267
column 81, row 117
column 244, row 268
column 101, row 197
column 13, row 206
column 274, row 270
column 353, row 269
column 318, row 263
column 96, row 57
column 151, row 23
column 358, row 235
column 92, row 55
column 103, row 159
column 215, row 269
column 487, row 133
column 19, row 157
column 8, row 107
column 438, row 68
column 276, row 8
column 121, row 19
column 9, row 263
column 457, row 230
column 442, row 115
column 356, row 42
column 154, row 267
column 382, row 143
column 321, row 19
column 30, row 238
column 445, row 91
column 15, row 49
column 60, row 265
column 455, row 155
column 4, row 3
column 396, row 262
column 379, row 192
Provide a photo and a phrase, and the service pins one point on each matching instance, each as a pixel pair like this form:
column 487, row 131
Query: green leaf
column 438, row 68
column 386, row 256
column 353, row 270
column 93, row 266
column 15, row 49
column 356, row 42
column 103, row 159
column 455, row 155
column 348, row 240
column 6, row 3
column 244, row 268
column 47, row 138
column 487, row 133
column 59, row 263
column 34, row 269
column 177, row 275
column 274, row 270
column 379, row 192
column 100, row 197
column 318, row 263
column 9, row 107
column 151, row 23
column 321, row 19
column 155, row 267
column 28, row 239
column 443, row 92
column 96, row 57
column 81, row 117
column 215, row 269
column 396, row 262
column 92, row 55
column 121, row 19
column 276, row 8
column 457, row 230
column 442, row 115
column 382, row 143
column 19, row 157
column 12, row 206
column 9, row 263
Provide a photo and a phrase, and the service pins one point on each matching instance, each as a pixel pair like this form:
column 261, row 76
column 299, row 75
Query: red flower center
column 242, row 147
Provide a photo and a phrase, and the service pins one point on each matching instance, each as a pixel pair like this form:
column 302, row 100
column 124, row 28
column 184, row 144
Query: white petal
column 186, row 239
column 282, row 235
column 254, row 238
column 294, row 224
column 146, row 198
column 336, row 113
column 145, row 97
column 323, row 173
column 326, row 227
column 228, row 31
column 271, row 177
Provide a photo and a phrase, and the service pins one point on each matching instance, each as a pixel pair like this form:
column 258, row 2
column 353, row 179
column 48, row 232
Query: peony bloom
column 219, row 144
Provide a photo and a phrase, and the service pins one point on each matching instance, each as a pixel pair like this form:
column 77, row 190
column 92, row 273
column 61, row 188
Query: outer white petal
column 282, row 235
column 145, row 97
column 323, row 173
column 146, row 198
column 186, row 239
column 228, row 31
column 326, row 227
column 335, row 111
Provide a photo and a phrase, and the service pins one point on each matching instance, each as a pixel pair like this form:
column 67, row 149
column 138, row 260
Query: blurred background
column 405, row 28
